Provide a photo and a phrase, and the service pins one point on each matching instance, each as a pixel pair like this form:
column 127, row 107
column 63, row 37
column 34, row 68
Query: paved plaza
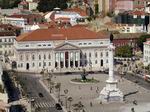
column 88, row 94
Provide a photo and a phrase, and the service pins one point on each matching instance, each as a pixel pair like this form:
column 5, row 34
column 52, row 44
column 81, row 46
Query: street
column 43, row 102
column 137, row 79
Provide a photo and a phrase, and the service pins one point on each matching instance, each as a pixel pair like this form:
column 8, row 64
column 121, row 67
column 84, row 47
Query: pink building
column 124, row 5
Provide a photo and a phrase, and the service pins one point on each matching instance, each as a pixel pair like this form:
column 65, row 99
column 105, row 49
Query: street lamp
column 66, row 92
column 70, row 99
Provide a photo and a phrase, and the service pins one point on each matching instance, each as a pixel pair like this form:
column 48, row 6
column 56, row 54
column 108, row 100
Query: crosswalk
column 43, row 104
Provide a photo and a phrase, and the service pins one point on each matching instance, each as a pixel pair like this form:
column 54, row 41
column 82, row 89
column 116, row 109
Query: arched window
column 101, row 54
column 39, row 57
column 106, row 54
column 33, row 64
column 44, row 56
column 95, row 54
column 101, row 62
column 90, row 55
column 49, row 56
column 40, row 64
column 33, row 57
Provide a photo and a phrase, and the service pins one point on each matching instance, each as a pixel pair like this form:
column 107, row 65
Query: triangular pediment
column 67, row 46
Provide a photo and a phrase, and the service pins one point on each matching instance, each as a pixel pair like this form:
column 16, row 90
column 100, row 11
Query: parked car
column 58, row 106
column 41, row 95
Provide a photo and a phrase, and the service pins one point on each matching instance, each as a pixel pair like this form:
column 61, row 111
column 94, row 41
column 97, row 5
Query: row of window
column 5, row 46
column 49, row 56
column 147, row 52
column 40, row 45
column 7, row 40
column 96, row 54
column 40, row 64
column 33, row 57
column 88, row 43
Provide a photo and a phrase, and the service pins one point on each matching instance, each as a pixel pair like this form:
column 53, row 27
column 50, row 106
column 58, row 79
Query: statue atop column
column 111, row 92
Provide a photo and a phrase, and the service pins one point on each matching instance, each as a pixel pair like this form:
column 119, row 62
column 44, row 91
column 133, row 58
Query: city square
column 88, row 94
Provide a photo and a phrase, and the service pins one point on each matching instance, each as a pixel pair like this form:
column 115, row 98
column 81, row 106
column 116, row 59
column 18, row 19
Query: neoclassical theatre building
column 67, row 49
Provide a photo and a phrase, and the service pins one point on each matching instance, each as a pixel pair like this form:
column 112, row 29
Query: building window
column 95, row 54
column 49, row 56
column 39, row 57
column 33, row 64
column 21, row 65
column 101, row 63
column 5, row 40
column 33, row 57
column 101, row 54
column 44, row 64
column 40, row 64
column 95, row 61
column 106, row 54
column 0, row 40
column 90, row 55
column 9, row 40
column 44, row 56
column 107, row 61
column 85, row 55
column 49, row 63
column 27, row 45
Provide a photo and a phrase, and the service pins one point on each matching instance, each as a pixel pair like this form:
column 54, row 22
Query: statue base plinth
column 111, row 93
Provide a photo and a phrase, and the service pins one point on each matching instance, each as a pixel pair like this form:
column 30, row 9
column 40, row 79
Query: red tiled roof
column 62, row 19
column 23, row 2
column 138, row 13
column 77, row 10
column 53, row 33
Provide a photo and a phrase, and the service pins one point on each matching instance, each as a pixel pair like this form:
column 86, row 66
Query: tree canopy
column 49, row 5
column 124, row 51
column 9, row 3
column 142, row 39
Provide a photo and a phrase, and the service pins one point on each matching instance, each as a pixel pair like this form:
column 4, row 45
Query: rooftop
column 55, row 33
column 7, row 33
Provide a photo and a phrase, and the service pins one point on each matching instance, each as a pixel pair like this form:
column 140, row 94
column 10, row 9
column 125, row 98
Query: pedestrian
column 79, row 87
column 91, row 88
column 97, row 88
column 96, row 91
column 100, row 102
column 91, row 104
column 80, row 97
column 132, row 110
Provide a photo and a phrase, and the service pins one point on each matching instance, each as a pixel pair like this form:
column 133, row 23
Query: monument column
column 111, row 92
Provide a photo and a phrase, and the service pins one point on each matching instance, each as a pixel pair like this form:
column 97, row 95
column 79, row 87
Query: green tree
column 142, row 39
column 15, row 3
column 49, row 5
column 124, row 51
column 9, row 3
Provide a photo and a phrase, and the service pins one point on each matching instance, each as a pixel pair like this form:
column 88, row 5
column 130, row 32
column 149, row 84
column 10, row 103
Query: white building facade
column 6, row 45
column 64, row 52
column 20, row 22
column 146, row 53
